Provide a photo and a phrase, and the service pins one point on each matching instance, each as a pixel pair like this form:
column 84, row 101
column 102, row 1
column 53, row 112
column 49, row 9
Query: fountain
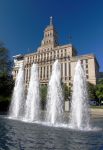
column 12, row 135
column 79, row 116
column 30, row 110
column 32, row 107
column 17, row 103
column 54, row 96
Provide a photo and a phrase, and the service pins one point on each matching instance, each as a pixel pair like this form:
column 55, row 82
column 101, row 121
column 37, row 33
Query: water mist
column 79, row 117
column 54, row 96
column 18, row 98
column 32, row 107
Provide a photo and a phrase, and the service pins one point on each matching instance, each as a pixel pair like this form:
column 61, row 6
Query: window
column 44, row 73
column 86, row 66
column 86, row 60
column 65, row 69
column 86, row 71
column 61, row 69
column 41, row 73
column 87, row 76
column 69, row 69
column 81, row 61
column 47, row 71
column 50, row 68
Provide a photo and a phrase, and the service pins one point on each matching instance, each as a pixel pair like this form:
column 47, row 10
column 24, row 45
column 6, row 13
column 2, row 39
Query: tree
column 43, row 94
column 6, row 81
column 91, row 91
column 66, row 92
column 3, row 60
column 99, row 90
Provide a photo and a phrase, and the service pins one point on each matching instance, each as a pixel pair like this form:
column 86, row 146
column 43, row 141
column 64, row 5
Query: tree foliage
column 6, row 86
column 3, row 60
column 99, row 89
column 92, row 91
column 96, row 91
column 66, row 92
column 43, row 95
column 6, row 81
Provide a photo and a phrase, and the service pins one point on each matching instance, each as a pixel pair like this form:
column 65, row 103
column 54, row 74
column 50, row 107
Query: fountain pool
column 17, row 135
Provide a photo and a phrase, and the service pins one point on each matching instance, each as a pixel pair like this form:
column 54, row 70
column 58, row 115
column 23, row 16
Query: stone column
column 67, row 70
column 49, row 71
column 39, row 71
column 29, row 73
column 25, row 74
column 63, row 70
column 42, row 72
column 45, row 72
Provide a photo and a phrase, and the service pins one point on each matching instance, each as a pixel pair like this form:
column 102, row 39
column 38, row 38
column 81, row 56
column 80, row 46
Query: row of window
column 49, row 55
column 44, row 71
column 85, row 65
column 48, row 34
column 47, row 42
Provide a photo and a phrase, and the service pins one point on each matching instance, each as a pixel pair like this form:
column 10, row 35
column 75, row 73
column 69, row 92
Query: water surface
column 17, row 135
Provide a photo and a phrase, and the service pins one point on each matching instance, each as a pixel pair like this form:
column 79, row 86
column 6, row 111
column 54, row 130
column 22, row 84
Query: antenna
column 51, row 20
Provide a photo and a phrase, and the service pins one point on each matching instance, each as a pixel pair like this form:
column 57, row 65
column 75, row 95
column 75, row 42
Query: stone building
column 48, row 52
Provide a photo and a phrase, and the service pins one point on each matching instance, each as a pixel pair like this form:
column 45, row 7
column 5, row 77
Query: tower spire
column 51, row 20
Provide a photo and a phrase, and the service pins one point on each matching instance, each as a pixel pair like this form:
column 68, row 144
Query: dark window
column 86, row 60
column 61, row 69
column 87, row 76
column 86, row 71
column 44, row 72
column 65, row 69
column 41, row 73
column 86, row 66
column 81, row 61
column 47, row 71
column 69, row 69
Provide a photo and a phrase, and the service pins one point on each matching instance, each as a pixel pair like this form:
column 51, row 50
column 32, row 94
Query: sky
column 22, row 23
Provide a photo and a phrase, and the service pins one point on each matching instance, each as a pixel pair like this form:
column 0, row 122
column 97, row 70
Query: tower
column 50, row 39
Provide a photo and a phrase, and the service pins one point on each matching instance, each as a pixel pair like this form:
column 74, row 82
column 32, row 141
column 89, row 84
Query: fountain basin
column 21, row 135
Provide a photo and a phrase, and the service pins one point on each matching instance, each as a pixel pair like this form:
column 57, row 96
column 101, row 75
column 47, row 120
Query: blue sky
column 22, row 23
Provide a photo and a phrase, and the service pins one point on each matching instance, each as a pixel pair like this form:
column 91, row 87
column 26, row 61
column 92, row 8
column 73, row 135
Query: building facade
column 48, row 52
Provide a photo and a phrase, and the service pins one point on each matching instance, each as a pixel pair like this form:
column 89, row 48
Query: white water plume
column 79, row 117
column 18, row 98
column 32, row 107
column 54, row 96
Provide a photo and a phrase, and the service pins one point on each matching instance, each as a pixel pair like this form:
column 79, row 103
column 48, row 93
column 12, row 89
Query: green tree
column 99, row 90
column 43, row 95
column 3, row 60
column 92, row 91
column 6, row 81
column 66, row 92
